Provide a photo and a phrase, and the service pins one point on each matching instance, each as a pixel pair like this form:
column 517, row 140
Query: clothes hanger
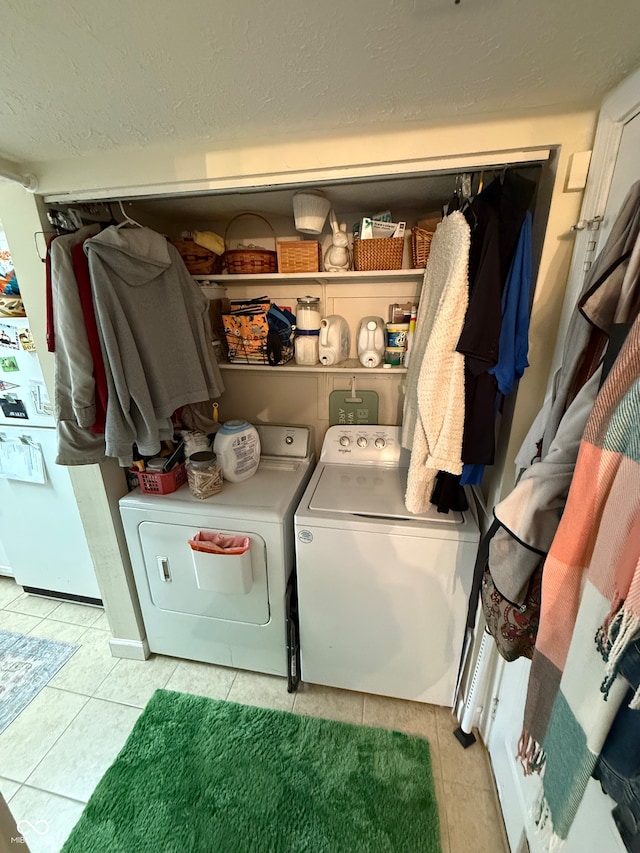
column 466, row 206
column 454, row 204
column 47, row 235
column 466, row 194
column 112, row 219
column 502, row 175
column 127, row 219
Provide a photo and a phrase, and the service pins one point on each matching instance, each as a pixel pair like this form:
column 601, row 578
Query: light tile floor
column 53, row 755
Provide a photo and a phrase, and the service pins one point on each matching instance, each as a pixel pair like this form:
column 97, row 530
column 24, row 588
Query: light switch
column 577, row 171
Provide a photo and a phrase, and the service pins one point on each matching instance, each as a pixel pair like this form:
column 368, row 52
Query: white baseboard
column 129, row 649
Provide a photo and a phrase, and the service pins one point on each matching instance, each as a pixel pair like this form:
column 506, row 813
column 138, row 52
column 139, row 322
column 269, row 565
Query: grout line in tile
column 232, row 683
column 98, row 699
column 54, row 610
column 30, row 615
column 54, row 794
column 68, row 622
column 77, row 642
column 7, row 605
column 20, row 785
column 113, row 668
column 86, row 699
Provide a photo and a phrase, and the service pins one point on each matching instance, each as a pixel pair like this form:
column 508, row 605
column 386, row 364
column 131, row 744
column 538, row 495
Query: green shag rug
column 218, row 777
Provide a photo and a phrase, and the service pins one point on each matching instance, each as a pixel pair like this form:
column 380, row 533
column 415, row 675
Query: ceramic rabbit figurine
column 337, row 258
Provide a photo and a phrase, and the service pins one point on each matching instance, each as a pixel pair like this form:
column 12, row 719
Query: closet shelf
column 320, row 277
column 351, row 365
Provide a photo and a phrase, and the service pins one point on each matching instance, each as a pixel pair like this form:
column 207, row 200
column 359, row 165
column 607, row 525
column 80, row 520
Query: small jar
column 204, row 474
column 307, row 330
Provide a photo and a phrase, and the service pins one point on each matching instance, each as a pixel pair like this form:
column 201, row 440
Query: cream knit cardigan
column 433, row 417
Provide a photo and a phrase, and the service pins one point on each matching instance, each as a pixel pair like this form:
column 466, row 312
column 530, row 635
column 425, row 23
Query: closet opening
column 279, row 394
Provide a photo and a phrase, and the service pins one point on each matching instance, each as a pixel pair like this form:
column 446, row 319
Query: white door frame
column 618, row 108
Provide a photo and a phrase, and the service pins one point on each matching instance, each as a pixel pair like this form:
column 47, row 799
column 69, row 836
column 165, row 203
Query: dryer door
column 173, row 583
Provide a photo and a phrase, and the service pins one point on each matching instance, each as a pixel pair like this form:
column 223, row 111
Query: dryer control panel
column 292, row 442
column 364, row 445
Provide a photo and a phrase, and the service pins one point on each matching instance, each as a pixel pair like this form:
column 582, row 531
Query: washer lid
column 370, row 490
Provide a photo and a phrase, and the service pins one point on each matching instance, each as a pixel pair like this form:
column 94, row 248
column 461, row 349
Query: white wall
column 159, row 169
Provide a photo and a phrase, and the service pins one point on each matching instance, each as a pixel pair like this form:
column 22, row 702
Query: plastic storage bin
column 156, row 483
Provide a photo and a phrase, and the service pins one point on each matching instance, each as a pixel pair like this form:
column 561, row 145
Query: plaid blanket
column 590, row 603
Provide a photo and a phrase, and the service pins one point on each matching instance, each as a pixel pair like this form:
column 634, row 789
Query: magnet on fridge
column 26, row 340
column 9, row 364
column 8, row 336
column 12, row 407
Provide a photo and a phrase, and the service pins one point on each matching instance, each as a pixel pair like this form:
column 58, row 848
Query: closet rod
column 7, row 173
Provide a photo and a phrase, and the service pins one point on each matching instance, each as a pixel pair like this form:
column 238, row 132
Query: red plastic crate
column 156, row 483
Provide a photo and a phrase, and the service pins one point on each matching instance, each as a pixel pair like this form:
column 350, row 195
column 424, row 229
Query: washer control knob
column 288, row 439
column 380, row 443
column 345, row 440
column 362, row 441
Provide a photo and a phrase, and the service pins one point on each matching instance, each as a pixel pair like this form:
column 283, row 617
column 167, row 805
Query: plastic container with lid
column 308, row 317
column 204, row 474
column 308, row 313
column 237, row 446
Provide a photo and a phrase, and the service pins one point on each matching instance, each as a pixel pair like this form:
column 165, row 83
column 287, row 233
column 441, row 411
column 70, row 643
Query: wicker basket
column 299, row 256
column 250, row 261
column 384, row 253
column 420, row 247
column 197, row 259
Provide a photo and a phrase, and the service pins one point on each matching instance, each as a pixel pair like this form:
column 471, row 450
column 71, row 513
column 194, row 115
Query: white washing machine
column 382, row 593
column 191, row 604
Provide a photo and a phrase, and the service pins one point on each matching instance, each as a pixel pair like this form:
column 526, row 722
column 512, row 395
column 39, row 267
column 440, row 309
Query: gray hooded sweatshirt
column 155, row 334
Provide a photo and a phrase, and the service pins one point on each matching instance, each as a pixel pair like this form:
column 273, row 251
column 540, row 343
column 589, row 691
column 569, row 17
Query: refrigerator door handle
column 163, row 568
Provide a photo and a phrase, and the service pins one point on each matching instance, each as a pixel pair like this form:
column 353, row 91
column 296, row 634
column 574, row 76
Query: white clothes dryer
column 203, row 621
column 382, row 593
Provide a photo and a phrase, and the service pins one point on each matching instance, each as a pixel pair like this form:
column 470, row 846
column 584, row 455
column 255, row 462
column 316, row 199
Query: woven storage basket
column 299, row 256
column 197, row 259
column 420, row 247
column 250, row 261
column 384, row 253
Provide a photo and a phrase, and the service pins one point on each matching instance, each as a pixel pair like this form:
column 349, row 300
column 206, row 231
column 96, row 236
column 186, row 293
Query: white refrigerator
column 42, row 540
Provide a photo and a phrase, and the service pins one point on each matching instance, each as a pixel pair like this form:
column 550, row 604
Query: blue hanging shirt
column 514, row 332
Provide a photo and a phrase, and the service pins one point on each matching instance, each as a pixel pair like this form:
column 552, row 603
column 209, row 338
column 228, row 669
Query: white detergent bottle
column 371, row 341
column 237, row 446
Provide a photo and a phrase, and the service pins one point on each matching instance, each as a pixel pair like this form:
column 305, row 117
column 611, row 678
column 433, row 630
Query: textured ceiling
column 80, row 77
